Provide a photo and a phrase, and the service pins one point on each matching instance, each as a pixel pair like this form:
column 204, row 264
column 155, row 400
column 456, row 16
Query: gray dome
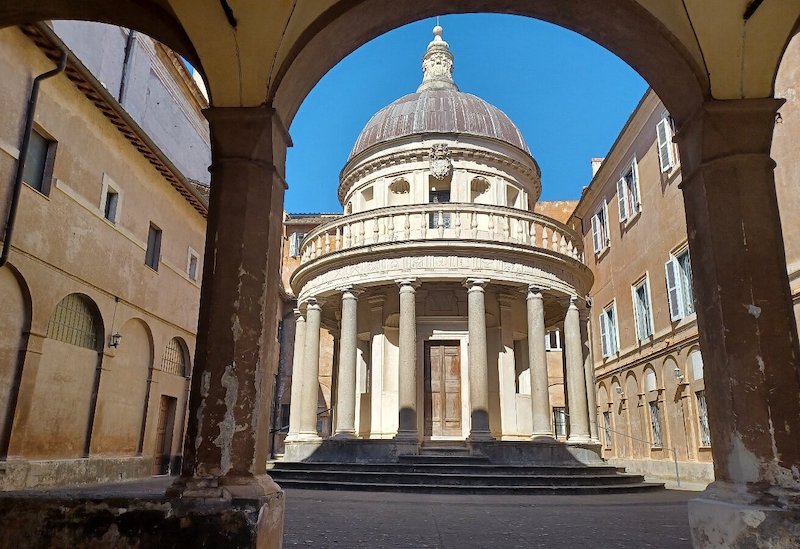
column 438, row 111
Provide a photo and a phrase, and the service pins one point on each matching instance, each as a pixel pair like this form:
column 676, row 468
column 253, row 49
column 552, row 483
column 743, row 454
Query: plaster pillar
column 478, row 360
column 225, row 449
column 588, row 371
column 377, row 427
column 748, row 332
column 537, row 362
column 407, row 388
column 297, row 375
column 228, row 420
column 348, row 356
column 576, row 378
column 309, row 392
column 507, row 374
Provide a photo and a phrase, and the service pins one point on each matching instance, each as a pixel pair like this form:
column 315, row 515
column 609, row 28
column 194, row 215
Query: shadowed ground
column 382, row 520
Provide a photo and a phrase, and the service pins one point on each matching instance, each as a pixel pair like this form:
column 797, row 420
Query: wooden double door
column 442, row 388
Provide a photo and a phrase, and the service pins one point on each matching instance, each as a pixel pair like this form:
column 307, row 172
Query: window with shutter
column 635, row 204
column 622, row 197
column 664, row 136
column 674, row 293
column 604, row 334
column 684, row 271
column 642, row 310
column 604, row 225
column 598, row 245
column 613, row 337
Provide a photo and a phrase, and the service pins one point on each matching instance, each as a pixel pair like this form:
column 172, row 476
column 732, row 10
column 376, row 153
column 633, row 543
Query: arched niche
column 122, row 396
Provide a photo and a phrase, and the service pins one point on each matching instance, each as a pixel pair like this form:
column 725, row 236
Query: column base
column 580, row 439
column 480, row 436
column 407, row 436
column 745, row 517
column 344, row 435
column 302, row 437
column 545, row 437
column 223, row 488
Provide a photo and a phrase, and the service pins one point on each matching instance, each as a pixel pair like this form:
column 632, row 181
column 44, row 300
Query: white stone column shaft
column 310, row 387
column 537, row 361
column 348, row 355
column 478, row 360
column 588, row 372
column 576, row 378
column 407, row 363
column 298, row 368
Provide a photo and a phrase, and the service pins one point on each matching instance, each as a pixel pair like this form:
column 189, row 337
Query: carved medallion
column 441, row 166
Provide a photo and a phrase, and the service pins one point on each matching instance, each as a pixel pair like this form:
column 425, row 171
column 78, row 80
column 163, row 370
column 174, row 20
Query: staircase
column 452, row 470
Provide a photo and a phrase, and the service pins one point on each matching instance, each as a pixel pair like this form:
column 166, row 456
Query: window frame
column 152, row 255
column 548, row 345
column 607, row 431
column 665, row 145
column 47, row 166
column 192, row 254
column 638, row 318
column 560, row 420
column 607, row 321
column 601, row 234
column 680, row 292
column 294, row 243
column 703, row 429
column 108, row 188
column 629, row 197
column 656, row 426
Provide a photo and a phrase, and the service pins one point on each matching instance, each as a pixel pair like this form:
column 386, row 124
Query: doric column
column 309, row 392
column 407, row 388
column 537, row 362
column 377, row 420
column 748, row 333
column 228, row 425
column 478, row 360
column 576, row 378
column 295, row 404
column 588, row 371
column 348, row 355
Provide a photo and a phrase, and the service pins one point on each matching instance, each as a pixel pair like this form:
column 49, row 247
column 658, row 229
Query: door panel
column 442, row 388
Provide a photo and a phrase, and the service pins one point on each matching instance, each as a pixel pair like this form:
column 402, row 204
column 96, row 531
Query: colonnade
column 579, row 374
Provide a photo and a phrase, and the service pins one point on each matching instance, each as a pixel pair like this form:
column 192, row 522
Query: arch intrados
column 623, row 27
column 154, row 18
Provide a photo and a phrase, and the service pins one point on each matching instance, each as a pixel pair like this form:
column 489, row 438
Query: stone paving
column 352, row 520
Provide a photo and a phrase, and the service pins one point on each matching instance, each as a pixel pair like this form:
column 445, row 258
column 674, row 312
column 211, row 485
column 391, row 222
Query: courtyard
column 382, row 520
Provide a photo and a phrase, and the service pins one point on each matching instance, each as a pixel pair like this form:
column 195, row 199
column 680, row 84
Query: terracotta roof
column 438, row 111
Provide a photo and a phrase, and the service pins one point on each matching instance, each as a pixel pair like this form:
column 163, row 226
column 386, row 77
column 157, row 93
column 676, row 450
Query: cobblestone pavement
column 352, row 520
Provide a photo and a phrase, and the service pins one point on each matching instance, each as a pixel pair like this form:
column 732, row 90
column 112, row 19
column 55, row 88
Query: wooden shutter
column 606, row 233
column 604, row 333
column 674, row 294
column 622, row 197
column 636, row 201
column 596, row 238
column 664, row 135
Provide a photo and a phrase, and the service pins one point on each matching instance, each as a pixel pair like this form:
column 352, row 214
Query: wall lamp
column 678, row 374
column 116, row 339
column 619, row 391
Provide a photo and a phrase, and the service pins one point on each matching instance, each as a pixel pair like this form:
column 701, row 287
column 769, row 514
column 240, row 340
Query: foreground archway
column 712, row 67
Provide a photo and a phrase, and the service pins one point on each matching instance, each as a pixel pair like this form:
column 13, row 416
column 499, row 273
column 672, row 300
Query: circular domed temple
column 443, row 290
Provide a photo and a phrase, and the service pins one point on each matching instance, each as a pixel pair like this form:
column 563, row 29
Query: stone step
column 458, row 467
column 471, row 489
column 452, row 479
column 442, row 458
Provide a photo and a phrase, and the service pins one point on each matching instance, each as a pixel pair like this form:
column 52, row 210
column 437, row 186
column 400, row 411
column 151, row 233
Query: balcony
column 448, row 222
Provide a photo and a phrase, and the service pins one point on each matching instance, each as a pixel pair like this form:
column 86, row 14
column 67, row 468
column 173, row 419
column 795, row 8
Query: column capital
column 411, row 283
column 476, row 284
column 534, row 291
column 350, row 292
column 298, row 315
column 313, row 303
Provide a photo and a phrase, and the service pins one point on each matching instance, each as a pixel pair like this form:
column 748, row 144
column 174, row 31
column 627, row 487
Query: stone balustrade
column 448, row 221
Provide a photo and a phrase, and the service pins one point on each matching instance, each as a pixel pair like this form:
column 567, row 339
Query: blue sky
column 569, row 97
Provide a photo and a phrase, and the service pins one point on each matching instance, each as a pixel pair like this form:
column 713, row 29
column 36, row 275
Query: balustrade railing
column 447, row 221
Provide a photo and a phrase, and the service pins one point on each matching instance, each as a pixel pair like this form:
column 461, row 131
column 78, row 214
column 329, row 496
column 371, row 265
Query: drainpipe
column 23, row 153
column 126, row 61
